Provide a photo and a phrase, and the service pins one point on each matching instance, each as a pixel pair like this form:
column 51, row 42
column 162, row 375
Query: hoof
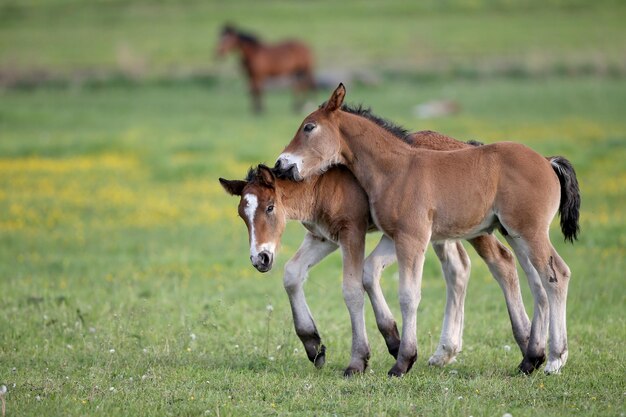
column 351, row 371
column 441, row 361
column 395, row 372
column 443, row 356
column 320, row 359
column 529, row 364
column 555, row 365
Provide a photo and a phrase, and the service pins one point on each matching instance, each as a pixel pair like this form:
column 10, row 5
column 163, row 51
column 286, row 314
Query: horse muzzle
column 286, row 170
column 263, row 261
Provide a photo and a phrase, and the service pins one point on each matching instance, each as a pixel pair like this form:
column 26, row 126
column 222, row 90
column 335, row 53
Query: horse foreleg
column 352, row 248
column 311, row 251
column 410, row 251
column 501, row 264
column 382, row 256
column 255, row 93
column 455, row 265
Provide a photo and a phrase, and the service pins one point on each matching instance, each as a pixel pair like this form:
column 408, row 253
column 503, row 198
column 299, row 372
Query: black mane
column 251, row 175
column 243, row 36
column 395, row 129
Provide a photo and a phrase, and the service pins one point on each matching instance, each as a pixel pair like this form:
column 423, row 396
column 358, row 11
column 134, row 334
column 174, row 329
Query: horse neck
column 372, row 151
column 297, row 198
column 248, row 49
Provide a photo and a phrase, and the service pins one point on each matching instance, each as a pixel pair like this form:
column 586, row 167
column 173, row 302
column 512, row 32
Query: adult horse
column 418, row 195
column 262, row 61
column 334, row 209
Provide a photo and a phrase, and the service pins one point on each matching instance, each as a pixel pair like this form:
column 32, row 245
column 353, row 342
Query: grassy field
column 126, row 284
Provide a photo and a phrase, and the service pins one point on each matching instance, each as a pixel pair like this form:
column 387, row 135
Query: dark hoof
column 320, row 359
column 529, row 364
column 395, row 371
column 350, row 371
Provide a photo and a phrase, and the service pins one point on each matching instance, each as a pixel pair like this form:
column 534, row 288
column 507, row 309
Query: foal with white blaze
column 417, row 196
column 334, row 207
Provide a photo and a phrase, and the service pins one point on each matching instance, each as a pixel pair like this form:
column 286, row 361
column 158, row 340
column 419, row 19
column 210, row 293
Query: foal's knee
column 292, row 278
column 371, row 274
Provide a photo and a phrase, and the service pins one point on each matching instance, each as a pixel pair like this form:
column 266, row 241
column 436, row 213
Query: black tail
column 569, row 209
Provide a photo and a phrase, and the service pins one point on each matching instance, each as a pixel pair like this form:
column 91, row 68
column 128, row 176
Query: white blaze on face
column 250, row 210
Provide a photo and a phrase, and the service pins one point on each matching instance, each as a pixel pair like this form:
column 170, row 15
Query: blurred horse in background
column 261, row 61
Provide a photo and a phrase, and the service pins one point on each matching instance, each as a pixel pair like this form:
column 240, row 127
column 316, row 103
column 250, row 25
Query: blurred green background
column 126, row 284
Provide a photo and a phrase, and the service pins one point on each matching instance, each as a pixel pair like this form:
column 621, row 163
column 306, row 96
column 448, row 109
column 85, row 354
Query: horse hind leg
column 501, row 264
column 382, row 256
column 455, row 265
column 535, row 351
column 555, row 275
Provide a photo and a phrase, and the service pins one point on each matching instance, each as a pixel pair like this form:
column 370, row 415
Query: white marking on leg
column 311, row 251
column 383, row 255
column 456, row 274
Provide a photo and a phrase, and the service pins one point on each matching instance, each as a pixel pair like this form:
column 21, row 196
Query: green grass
column 117, row 243
column 154, row 38
column 117, row 235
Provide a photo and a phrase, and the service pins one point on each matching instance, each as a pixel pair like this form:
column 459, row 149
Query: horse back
column 284, row 57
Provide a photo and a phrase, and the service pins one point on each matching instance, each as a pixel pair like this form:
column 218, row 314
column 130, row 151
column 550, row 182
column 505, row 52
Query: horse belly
column 455, row 229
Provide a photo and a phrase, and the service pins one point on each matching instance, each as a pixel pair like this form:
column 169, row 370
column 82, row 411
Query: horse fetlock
column 357, row 365
column 530, row 363
column 444, row 355
column 555, row 363
column 403, row 364
column 314, row 348
column 320, row 358
column 392, row 340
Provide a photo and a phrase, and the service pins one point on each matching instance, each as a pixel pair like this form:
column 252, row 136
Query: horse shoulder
column 342, row 202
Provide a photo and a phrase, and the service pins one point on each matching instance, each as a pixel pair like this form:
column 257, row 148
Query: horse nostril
column 265, row 258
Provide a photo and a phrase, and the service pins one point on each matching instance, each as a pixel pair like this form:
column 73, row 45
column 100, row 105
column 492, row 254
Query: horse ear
column 336, row 99
column 233, row 187
column 266, row 175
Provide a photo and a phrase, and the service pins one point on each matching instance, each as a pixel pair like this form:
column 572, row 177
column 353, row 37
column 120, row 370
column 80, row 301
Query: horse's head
column 227, row 41
column 317, row 144
column 261, row 209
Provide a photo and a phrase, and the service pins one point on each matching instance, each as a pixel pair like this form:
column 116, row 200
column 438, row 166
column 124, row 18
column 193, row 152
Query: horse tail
column 569, row 208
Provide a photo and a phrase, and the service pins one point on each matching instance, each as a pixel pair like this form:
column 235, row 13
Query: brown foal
column 334, row 209
column 419, row 195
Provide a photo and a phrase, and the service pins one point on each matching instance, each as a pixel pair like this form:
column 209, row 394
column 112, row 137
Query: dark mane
column 395, row 129
column 251, row 175
column 243, row 36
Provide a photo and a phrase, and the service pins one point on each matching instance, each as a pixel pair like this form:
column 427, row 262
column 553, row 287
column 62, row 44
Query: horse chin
column 263, row 268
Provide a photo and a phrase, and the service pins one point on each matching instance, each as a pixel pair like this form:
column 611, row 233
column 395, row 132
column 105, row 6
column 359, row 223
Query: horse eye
column 308, row 127
column 270, row 208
